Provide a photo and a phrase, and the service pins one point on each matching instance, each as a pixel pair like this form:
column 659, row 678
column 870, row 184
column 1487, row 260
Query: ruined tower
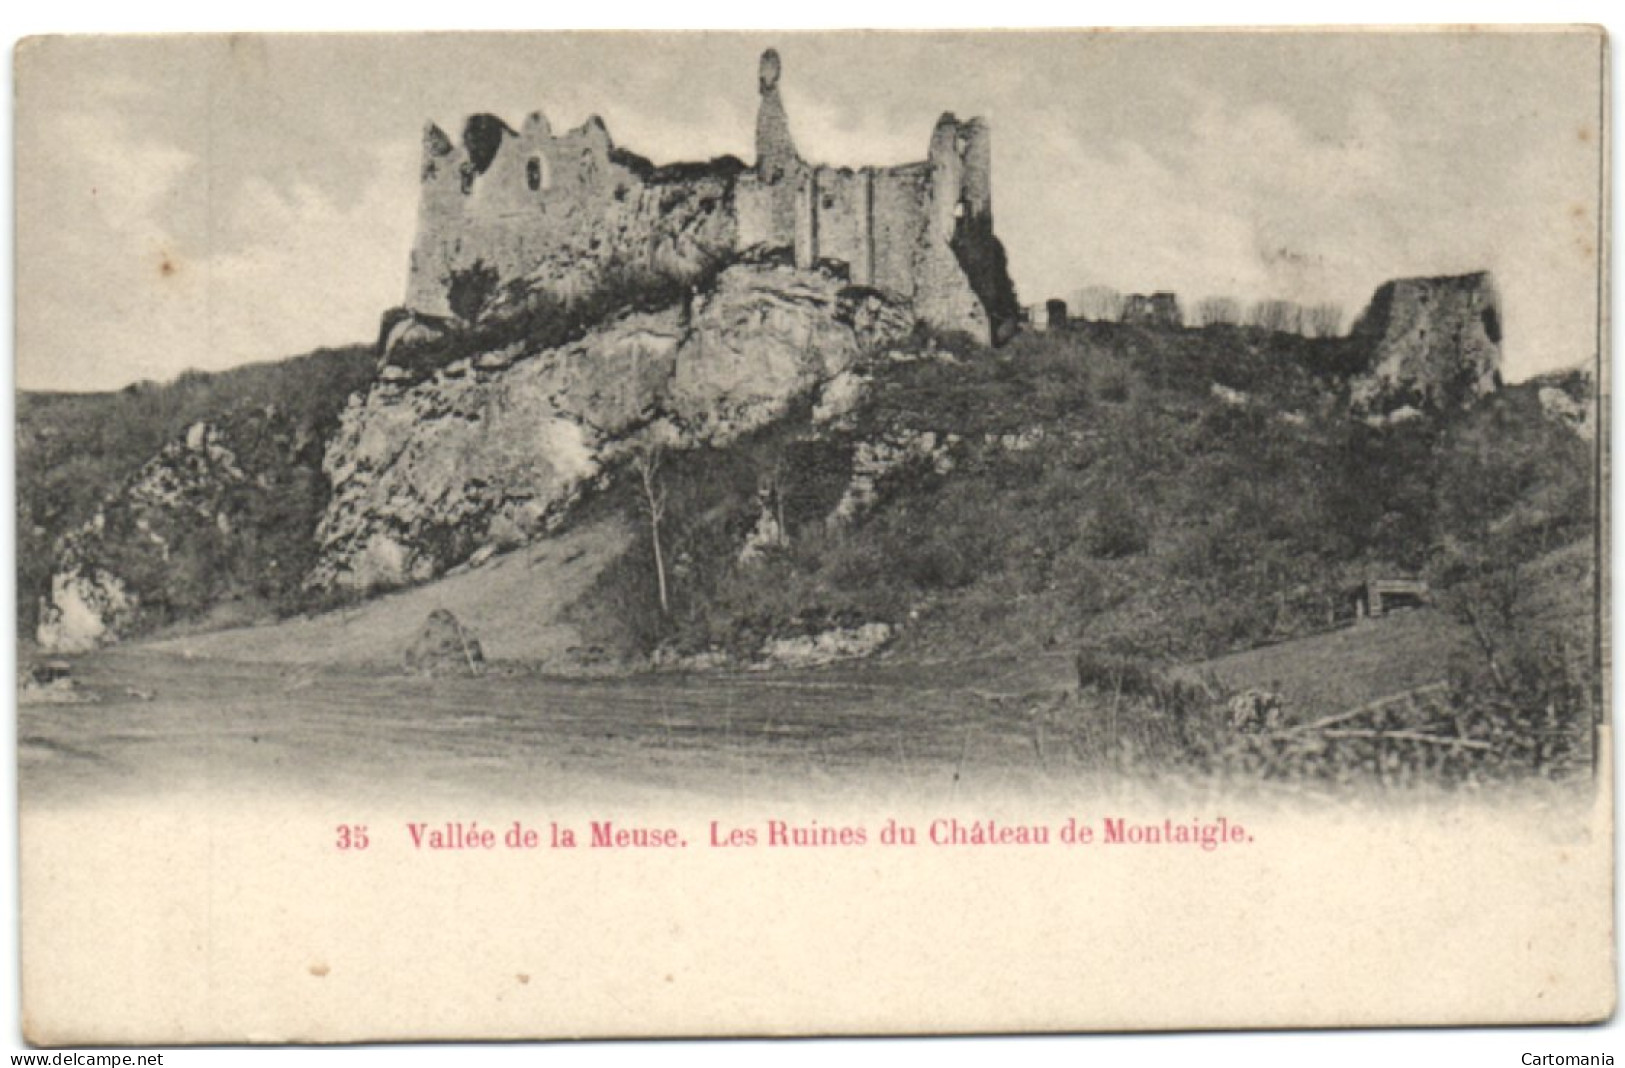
column 1435, row 342
column 776, row 156
column 922, row 231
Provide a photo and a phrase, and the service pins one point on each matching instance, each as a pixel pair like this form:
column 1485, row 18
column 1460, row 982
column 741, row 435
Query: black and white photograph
column 542, row 535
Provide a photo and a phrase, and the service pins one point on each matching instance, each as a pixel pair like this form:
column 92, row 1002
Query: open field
column 258, row 727
column 921, row 730
column 317, row 707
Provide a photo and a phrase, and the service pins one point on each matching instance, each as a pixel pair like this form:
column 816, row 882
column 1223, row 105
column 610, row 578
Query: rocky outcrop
column 1435, row 343
column 839, row 399
column 88, row 606
column 151, row 540
column 875, row 461
column 768, row 335
column 825, row 647
column 1561, row 407
column 494, row 449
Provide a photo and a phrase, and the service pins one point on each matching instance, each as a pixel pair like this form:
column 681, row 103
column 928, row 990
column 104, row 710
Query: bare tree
column 1218, row 311
column 1100, row 304
column 1324, row 320
column 647, row 462
column 1281, row 316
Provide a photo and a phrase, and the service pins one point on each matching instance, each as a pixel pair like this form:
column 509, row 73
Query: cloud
column 95, row 232
column 202, row 201
column 1248, row 200
column 314, row 272
column 120, row 292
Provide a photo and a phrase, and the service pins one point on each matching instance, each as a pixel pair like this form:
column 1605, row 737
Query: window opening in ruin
column 960, row 208
column 829, row 203
column 533, row 173
column 468, row 179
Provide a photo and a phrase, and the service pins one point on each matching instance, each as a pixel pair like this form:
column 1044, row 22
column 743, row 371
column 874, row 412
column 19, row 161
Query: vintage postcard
column 715, row 534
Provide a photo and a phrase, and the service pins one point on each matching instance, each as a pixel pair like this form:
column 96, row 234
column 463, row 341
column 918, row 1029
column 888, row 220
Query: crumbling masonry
column 528, row 210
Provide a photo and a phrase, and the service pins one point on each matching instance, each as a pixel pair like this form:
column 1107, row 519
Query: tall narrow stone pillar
column 807, row 221
column 863, row 271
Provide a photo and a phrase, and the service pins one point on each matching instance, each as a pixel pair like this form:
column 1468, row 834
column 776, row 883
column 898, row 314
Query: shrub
column 539, row 319
column 469, row 290
column 1114, row 530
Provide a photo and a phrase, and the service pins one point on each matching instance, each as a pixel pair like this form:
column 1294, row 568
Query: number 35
column 352, row 836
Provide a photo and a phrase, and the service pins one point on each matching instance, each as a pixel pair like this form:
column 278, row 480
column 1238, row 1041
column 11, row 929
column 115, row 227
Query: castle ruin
column 529, row 210
column 1436, row 342
column 1159, row 309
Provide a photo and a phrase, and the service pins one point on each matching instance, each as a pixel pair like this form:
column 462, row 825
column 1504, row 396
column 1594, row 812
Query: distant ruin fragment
column 1055, row 312
column 1435, row 343
column 507, row 211
column 1158, row 309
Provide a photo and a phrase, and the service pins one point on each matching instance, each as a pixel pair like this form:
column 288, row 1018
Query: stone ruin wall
column 1158, row 309
column 900, row 195
column 555, row 211
column 900, row 229
column 1436, row 341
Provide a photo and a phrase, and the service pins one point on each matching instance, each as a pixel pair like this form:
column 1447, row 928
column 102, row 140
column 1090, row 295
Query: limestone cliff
column 492, row 450
column 1436, row 343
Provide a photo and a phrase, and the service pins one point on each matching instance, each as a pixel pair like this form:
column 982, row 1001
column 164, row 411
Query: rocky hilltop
column 491, row 450
column 812, row 349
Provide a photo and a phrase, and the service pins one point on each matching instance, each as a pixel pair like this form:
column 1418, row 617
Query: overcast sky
column 188, row 202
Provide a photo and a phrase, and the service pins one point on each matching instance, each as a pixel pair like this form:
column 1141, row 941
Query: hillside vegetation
column 1187, row 515
column 1168, row 494
column 1182, row 515
column 77, row 451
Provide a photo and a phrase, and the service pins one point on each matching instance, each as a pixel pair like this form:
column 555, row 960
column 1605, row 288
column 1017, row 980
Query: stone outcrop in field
column 1574, row 407
column 443, row 647
column 494, row 449
column 1436, row 343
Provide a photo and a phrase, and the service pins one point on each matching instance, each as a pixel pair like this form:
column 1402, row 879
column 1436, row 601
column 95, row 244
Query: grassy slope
column 1340, row 669
column 513, row 604
column 1353, row 665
